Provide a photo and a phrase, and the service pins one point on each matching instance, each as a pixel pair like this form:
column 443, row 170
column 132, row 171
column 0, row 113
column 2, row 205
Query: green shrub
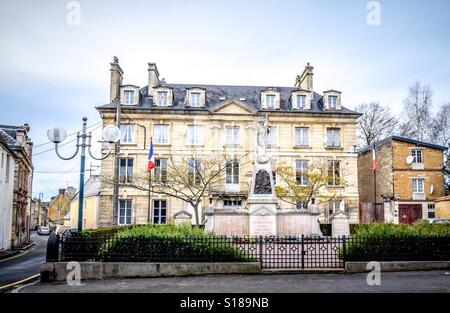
column 168, row 243
column 390, row 242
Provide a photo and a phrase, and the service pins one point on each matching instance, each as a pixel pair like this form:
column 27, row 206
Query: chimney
column 153, row 77
column 305, row 80
column 62, row 191
column 116, row 79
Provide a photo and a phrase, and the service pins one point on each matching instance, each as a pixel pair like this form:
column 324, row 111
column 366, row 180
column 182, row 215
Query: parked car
column 43, row 230
column 434, row 221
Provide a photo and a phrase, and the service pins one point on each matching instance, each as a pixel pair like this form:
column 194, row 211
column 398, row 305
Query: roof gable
column 233, row 106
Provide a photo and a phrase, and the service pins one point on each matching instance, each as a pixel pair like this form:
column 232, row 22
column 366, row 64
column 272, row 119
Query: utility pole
column 116, row 170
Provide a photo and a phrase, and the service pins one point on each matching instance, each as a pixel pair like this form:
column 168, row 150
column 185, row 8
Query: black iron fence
column 299, row 252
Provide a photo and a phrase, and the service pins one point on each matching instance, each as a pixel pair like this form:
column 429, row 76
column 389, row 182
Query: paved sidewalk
column 432, row 281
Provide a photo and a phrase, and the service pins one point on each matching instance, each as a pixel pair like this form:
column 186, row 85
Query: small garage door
column 409, row 213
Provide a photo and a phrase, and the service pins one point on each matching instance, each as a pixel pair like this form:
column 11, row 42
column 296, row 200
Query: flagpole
column 149, row 217
column 374, row 176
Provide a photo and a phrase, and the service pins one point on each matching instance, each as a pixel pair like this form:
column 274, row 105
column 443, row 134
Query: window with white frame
column 161, row 134
column 431, row 210
column 332, row 102
column 127, row 133
column 128, row 97
column 301, row 205
column 195, row 99
column 159, row 211
column 334, row 173
column 301, row 102
column 194, row 172
column 272, row 137
column 232, row 172
column 232, row 135
column 270, row 101
column 417, row 155
column 301, row 136
column 274, row 177
column 194, row 134
column 418, row 185
column 163, row 98
column 333, row 137
column 126, row 170
column 301, row 170
column 124, row 216
column 161, row 170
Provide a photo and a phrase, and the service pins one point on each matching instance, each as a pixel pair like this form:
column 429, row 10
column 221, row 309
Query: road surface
column 24, row 265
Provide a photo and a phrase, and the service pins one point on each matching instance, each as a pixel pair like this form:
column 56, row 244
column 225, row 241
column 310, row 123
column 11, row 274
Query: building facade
column 59, row 206
column 22, row 146
column 198, row 121
column 91, row 205
column 7, row 165
column 408, row 179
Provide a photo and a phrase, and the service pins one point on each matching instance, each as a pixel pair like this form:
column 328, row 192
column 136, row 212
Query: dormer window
column 163, row 97
column 301, row 101
column 332, row 102
column 195, row 99
column 270, row 101
column 128, row 96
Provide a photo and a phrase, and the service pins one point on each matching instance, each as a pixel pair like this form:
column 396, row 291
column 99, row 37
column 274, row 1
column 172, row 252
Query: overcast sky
column 54, row 72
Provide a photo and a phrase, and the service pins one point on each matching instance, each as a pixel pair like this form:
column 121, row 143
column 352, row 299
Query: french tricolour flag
column 151, row 158
column 374, row 159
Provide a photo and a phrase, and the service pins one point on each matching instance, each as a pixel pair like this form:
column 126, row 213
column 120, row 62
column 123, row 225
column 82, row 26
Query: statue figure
column 263, row 132
column 262, row 183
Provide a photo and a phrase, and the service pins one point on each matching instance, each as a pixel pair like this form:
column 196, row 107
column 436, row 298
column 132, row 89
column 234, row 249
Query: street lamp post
column 111, row 134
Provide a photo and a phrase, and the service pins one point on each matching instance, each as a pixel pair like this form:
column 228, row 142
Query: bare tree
column 303, row 186
column 189, row 177
column 375, row 123
column 417, row 118
column 441, row 135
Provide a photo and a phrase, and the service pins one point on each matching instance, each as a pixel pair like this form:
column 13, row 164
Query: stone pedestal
column 340, row 225
column 263, row 219
column 182, row 217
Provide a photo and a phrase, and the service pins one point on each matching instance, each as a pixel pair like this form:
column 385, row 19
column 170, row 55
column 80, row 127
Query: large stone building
column 59, row 206
column 21, row 144
column 199, row 120
column 409, row 178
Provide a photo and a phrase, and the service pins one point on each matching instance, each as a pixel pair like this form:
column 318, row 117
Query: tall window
column 232, row 172
column 195, row 99
column 126, row 170
column 128, row 96
column 8, row 161
column 301, row 169
column 301, row 102
column 124, row 216
column 161, row 133
column 417, row 155
column 301, row 136
column 333, row 137
column 159, row 211
column 418, row 185
column 431, row 210
column 194, row 172
column 334, row 173
column 272, row 138
column 232, row 135
column 163, row 98
column 194, row 134
column 270, row 101
column 332, row 102
column 127, row 132
column 161, row 170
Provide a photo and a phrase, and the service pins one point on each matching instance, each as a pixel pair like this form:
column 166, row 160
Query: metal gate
column 297, row 252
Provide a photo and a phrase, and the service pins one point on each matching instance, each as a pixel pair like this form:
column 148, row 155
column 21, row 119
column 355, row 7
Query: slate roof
column 91, row 188
column 216, row 93
column 405, row 139
column 8, row 142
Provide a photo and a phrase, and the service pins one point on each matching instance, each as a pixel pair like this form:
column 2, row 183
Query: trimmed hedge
column 167, row 243
column 390, row 242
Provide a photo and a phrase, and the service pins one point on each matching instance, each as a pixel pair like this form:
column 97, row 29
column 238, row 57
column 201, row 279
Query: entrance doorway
column 409, row 213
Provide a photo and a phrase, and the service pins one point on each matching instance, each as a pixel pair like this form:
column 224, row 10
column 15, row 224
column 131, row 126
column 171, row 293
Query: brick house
column 408, row 179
